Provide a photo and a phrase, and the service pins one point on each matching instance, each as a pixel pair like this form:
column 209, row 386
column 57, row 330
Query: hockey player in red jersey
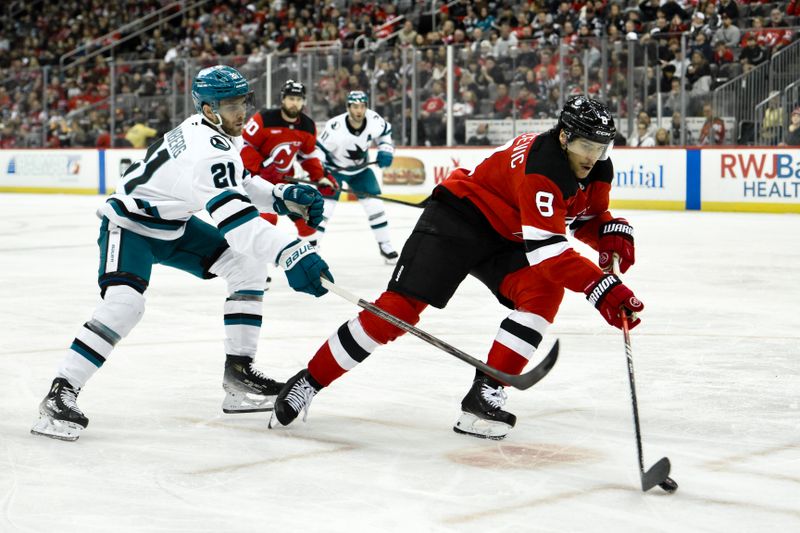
column 275, row 138
column 506, row 224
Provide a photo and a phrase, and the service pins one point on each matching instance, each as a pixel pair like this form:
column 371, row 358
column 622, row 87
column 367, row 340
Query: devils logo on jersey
column 282, row 156
column 271, row 141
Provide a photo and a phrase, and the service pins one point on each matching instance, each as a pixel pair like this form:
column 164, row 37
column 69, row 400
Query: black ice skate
column 59, row 415
column 388, row 253
column 483, row 415
column 247, row 389
column 295, row 396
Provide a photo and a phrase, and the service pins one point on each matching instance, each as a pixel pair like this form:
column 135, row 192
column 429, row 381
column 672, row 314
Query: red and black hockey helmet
column 587, row 118
column 293, row 88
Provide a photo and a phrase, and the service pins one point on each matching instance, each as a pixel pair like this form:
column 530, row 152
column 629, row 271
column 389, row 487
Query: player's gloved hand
column 271, row 174
column 303, row 200
column 384, row 159
column 616, row 237
column 610, row 296
column 303, row 267
column 327, row 185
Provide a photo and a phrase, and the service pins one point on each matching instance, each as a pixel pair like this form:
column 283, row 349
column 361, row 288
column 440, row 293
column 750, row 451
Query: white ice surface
column 717, row 368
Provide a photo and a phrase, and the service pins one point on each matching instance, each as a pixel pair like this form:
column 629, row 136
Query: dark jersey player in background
column 275, row 138
column 505, row 223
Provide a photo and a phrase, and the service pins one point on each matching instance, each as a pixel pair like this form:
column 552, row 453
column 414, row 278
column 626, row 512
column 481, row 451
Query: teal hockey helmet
column 213, row 84
column 357, row 97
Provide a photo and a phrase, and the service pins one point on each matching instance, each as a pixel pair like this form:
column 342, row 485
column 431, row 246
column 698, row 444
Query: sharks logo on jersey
column 357, row 154
column 217, row 141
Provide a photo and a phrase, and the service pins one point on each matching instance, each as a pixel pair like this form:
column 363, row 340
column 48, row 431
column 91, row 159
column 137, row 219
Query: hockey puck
column 669, row 485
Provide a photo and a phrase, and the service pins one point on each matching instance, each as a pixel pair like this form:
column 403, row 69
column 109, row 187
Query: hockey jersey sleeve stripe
column 145, row 206
column 237, row 219
column 579, row 222
column 328, row 154
column 541, row 253
column 222, row 199
column 151, row 222
column 533, row 233
column 531, row 245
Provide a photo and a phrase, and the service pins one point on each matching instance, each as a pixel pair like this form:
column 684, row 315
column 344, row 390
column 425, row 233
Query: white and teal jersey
column 344, row 150
column 191, row 168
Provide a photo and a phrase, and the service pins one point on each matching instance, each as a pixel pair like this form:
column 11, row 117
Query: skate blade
column 273, row 422
column 57, row 429
column 239, row 402
column 390, row 261
column 473, row 426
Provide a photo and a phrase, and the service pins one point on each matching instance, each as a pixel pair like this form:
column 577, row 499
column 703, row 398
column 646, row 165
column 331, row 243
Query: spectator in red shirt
column 723, row 54
column 432, row 124
column 526, row 104
column 503, row 102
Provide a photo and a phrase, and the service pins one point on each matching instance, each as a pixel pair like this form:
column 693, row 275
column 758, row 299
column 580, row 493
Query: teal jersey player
column 344, row 145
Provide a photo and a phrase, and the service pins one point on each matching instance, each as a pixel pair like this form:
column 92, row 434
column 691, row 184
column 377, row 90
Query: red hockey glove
column 610, row 296
column 616, row 237
column 271, row 174
column 327, row 185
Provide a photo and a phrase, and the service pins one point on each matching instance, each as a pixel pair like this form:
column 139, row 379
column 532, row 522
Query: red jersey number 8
column 544, row 202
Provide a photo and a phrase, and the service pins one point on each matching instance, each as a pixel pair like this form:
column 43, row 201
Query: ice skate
column 295, row 396
column 247, row 389
column 483, row 415
column 59, row 415
column 388, row 253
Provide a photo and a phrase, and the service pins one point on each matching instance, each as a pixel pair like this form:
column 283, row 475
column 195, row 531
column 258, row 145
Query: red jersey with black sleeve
column 272, row 144
column 528, row 192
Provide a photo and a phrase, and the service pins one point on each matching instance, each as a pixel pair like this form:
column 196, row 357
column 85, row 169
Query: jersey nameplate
column 175, row 142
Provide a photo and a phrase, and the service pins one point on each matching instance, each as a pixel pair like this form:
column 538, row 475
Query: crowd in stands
column 508, row 62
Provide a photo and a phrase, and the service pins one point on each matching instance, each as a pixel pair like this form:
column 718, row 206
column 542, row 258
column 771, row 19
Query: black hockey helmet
column 585, row 118
column 293, row 88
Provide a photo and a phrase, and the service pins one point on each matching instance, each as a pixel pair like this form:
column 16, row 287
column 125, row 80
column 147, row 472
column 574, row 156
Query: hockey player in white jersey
column 151, row 220
column 344, row 144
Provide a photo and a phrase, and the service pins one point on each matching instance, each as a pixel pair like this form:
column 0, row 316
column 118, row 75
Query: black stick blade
column 529, row 379
column 669, row 485
column 658, row 474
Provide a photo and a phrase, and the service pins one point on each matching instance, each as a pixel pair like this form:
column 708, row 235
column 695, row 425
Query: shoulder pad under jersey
column 548, row 159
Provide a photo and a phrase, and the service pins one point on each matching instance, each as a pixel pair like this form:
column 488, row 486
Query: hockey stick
column 659, row 472
column 521, row 382
column 421, row 204
column 357, row 167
